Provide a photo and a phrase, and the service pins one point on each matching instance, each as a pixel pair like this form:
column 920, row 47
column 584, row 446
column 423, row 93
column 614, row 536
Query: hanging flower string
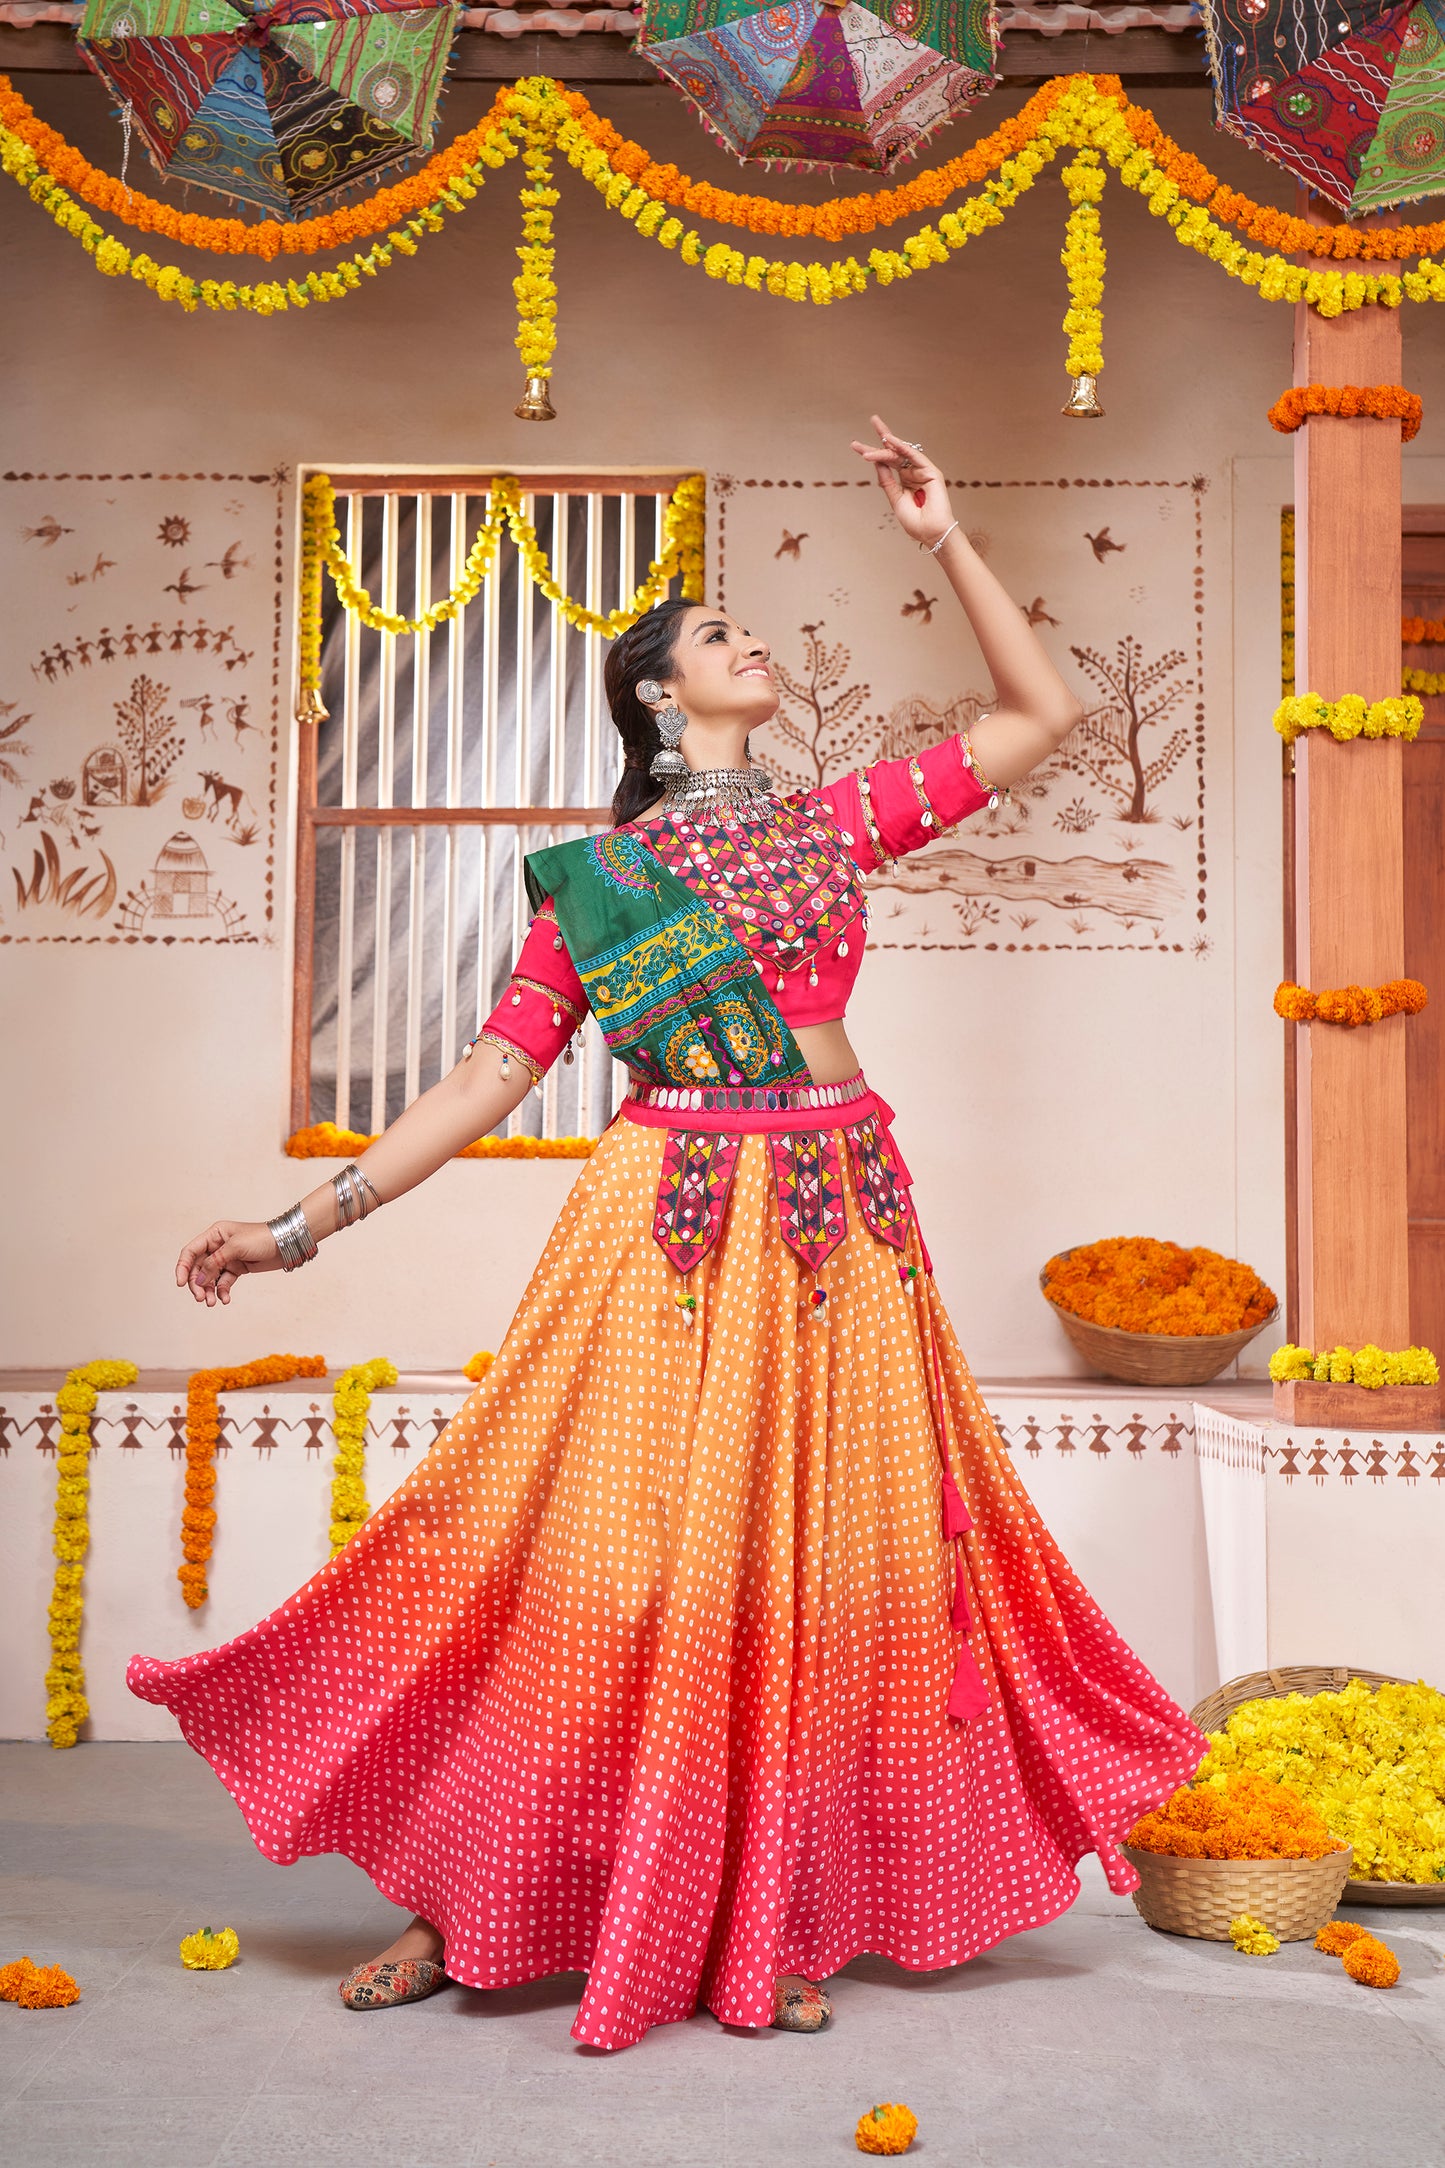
column 66, row 1707
column 1375, row 402
column 1083, row 258
column 203, row 1429
column 1082, row 112
column 1349, row 1005
column 1422, row 631
column 1428, row 682
column 351, row 1403
column 534, row 286
column 682, row 556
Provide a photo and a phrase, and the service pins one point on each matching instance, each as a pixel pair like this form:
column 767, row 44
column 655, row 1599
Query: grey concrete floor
column 1091, row 2041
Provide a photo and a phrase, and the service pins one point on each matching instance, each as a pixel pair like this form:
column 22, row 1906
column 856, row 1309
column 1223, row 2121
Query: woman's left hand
column 907, row 475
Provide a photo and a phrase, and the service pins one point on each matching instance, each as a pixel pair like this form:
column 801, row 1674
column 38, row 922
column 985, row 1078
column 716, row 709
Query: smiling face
column 722, row 679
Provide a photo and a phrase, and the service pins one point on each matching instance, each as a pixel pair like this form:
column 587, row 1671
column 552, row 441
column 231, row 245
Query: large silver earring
column 671, row 723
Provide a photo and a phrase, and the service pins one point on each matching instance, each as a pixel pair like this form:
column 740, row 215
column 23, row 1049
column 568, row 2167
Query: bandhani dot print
column 646, row 1669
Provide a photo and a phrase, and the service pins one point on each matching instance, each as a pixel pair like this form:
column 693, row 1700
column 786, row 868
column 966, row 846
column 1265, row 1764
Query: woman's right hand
column 211, row 1265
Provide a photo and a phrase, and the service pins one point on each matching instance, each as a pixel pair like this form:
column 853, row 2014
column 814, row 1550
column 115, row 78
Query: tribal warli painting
column 1104, row 847
column 140, row 708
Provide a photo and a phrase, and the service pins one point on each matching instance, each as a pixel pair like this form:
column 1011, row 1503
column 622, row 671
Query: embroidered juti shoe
column 384, row 1982
column 799, row 2006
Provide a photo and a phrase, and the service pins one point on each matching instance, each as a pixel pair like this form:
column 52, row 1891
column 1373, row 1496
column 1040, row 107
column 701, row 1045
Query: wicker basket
column 1211, row 1713
column 1294, row 1897
column 1153, row 1358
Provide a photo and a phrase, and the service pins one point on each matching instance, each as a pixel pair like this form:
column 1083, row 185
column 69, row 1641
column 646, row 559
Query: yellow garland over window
column 683, row 531
column 350, row 1404
column 1368, row 1365
column 1349, row 717
column 66, row 1707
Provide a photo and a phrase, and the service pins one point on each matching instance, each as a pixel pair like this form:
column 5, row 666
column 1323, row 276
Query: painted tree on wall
column 151, row 739
column 1137, row 697
column 818, row 720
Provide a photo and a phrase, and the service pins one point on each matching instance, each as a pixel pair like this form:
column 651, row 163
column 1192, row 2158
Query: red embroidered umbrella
column 1348, row 97
column 281, row 106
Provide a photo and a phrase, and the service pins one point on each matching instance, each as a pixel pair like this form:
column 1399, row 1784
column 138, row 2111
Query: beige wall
column 1040, row 1100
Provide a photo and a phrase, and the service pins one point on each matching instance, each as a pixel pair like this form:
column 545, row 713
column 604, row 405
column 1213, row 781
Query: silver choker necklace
column 702, row 790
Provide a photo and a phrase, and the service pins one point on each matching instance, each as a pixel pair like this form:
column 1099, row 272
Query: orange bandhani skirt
column 707, row 1643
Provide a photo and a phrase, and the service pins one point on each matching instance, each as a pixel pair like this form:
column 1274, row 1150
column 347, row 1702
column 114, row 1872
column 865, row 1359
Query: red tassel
column 968, row 1696
column 962, row 1617
column 957, row 1520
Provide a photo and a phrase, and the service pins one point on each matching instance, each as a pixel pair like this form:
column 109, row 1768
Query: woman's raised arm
column 1035, row 711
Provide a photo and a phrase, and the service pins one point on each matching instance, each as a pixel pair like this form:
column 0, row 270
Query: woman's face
column 721, row 673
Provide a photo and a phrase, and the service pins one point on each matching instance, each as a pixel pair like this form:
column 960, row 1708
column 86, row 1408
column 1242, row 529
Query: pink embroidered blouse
column 792, row 893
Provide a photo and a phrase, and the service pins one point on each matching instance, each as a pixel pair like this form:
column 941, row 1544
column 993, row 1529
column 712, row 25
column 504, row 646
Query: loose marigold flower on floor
column 1251, row 1937
column 210, row 1952
column 37, row 1987
column 1335, row 1937
column 888, row 2128
column 1369, row 1962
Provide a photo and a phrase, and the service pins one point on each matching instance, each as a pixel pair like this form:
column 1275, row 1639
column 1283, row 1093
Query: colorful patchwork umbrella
column 824, row 82
column 282, row 107
column 1348, row 97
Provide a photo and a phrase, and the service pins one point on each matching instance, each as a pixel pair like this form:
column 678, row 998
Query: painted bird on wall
column 791, row 544
column 1036, row 614
column 1102, row 542
column 920, row 607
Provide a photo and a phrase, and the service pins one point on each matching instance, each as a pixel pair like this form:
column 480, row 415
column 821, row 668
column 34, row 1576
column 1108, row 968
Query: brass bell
column 1083, row 398
column 535, row 406
column 310, row 708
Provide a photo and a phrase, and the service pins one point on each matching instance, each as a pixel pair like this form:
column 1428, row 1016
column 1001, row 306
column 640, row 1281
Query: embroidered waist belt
column 705, row 1129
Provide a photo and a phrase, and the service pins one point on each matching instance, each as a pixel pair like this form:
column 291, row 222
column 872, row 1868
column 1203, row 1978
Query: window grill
column 445, row 758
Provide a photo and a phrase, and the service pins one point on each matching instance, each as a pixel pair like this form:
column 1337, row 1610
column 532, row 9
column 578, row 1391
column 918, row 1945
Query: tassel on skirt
column 669, row 1662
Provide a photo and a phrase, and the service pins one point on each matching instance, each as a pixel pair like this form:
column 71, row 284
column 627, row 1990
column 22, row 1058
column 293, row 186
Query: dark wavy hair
column 646, row 650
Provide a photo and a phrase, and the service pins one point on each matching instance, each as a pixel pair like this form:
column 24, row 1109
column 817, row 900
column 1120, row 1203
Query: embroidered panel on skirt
column 884, row 1197
column 692, row 1192
column 809, row 1184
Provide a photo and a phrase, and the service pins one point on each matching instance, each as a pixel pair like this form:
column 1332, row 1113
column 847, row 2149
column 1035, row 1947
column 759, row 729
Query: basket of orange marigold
column 1155, row 1313
column 1241, row 1844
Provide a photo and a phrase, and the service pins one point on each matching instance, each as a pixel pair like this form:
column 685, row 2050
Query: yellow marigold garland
column 1368, row 1365
column 323, row 1140
column 534, row 286
column 683, row 527
column 203, row 1428
column 1428, row 682
column 1370, row 1761
column 1083, row 258
column 66, row 1707
column 1348, row 717
column 350, row 1403
column 1350, row 1006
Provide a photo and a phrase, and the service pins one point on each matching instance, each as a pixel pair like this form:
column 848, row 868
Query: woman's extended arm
column 469, row 1102
column 1036, row 711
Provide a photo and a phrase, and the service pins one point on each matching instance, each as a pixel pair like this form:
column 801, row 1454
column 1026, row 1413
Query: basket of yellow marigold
column 1154, row 1313
column 1239, row 1844
column 1365, row 1749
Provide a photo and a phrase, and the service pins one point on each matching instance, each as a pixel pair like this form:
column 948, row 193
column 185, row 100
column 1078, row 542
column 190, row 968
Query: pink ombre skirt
column 715, row 1638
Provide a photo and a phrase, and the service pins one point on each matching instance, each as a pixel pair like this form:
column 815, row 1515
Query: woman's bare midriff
column 824, row 1047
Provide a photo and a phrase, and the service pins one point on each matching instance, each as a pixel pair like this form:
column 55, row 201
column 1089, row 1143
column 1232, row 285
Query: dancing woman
column 715, row 1641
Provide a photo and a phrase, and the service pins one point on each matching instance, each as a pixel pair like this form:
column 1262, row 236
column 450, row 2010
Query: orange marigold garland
column 1423, row 631
column 203, row 1428
column 1134, row 1283
column 1245, row 1817
column 323, row 1140
column 1349, row 1005
column 1378, row 402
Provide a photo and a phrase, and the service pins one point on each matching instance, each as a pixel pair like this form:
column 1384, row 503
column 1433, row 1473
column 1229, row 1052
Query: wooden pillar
column 1350, row 1200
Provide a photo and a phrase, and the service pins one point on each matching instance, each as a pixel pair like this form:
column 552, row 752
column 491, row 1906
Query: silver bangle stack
column 293, row 1238
column 355, row 1195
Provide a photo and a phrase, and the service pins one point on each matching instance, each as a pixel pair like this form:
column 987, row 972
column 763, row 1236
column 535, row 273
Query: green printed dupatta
column 677, row 996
